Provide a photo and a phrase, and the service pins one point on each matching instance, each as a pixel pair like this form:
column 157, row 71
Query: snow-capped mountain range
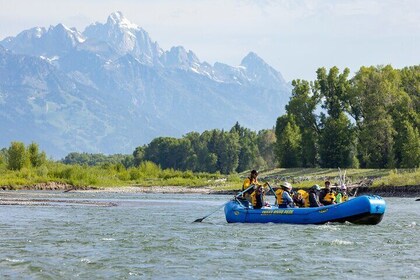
column 111, row 88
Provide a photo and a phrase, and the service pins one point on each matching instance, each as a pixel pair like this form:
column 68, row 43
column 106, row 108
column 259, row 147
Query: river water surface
column 152, row 236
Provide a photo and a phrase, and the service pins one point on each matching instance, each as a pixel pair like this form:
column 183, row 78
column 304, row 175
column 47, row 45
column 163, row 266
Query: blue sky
column 294, row 36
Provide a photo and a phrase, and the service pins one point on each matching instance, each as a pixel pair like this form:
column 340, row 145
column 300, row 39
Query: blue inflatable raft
column 365, row 210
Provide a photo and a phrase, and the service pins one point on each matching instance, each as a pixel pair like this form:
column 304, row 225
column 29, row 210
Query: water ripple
column 146, row 237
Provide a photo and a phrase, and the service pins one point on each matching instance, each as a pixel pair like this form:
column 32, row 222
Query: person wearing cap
column 342, row 195
column 326, row 196
column 313, row 196
column 284, row 200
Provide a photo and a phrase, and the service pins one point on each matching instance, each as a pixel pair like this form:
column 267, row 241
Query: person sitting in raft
column 326, row 196
column 284, row 200
column 342, row 195
column 313, row 196
column 257, row 198
column 251, row 180
column 305, row 197
column 298, row 199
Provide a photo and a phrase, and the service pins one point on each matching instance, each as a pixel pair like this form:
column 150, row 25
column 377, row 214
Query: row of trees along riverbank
column 28, row 168
column 369, row 121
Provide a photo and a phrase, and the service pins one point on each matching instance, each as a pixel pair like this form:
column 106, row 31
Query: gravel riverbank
column 385, row 191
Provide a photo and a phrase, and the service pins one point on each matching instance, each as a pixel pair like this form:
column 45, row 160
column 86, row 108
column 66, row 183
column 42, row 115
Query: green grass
column 307, row 177
column 149, row 174
column 399, row 178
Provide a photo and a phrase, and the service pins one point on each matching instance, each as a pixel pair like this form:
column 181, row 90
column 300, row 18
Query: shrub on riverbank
column 147, row 174
column 399, row 178
column 150, row 174
column 307, row 177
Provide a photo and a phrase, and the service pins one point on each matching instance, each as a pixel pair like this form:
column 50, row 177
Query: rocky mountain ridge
column 111, row 88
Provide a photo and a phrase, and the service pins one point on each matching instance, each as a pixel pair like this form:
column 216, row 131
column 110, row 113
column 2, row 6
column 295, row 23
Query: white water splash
column 14, row 260
column 412, row 224
column 328, row 227
column 341, row 242
column 108, row 239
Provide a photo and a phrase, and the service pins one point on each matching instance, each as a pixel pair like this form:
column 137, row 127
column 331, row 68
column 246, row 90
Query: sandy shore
column 58, row 196
column 53, row 186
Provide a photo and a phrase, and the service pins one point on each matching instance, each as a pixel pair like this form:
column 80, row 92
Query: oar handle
column 242, row 192
column 221, row 206
column 268, row 184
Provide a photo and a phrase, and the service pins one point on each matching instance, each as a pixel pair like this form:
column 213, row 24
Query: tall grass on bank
column 399, row 178
column 107, row 175
column 149, row 174
column 307, row 177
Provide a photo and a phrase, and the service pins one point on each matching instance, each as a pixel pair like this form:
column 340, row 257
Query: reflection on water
column 152, row 236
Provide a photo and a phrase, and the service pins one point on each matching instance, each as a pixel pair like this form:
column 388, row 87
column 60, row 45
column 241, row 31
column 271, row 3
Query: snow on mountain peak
column 72, row 33
column 117, row 18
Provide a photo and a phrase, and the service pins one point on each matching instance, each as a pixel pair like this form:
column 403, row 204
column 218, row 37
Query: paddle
column 236, row 196
column 272, row 192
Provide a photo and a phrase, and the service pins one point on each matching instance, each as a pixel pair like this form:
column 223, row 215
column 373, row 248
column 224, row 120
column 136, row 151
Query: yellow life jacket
column 248, row 182
column 345, row 198
column 254, row 199
column 305, row 196
column 330, row 196
column 279, row 194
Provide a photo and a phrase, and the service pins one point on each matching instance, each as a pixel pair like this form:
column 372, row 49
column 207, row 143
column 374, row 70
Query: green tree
column 17, row 157
column 3, row 156
column 303, row 103
column 375, row 92
column 266, row 142
column 288, row 145
column 169, row 152
column 410, row 82
column 411, row 147
column 203, row 159
column 36, row 158
column 227, row 150
column 335, row 88
column 336, row 142
column 249, row 155
column 138, row 155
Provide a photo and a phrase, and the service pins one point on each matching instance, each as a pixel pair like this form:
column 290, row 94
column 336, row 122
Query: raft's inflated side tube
column 368, row 210
column 374, row 215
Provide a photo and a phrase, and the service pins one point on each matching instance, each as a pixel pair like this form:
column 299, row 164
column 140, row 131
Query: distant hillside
column 111, row 88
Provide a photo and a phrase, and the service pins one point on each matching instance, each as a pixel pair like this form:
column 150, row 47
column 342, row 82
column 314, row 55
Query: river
column 152, row 236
